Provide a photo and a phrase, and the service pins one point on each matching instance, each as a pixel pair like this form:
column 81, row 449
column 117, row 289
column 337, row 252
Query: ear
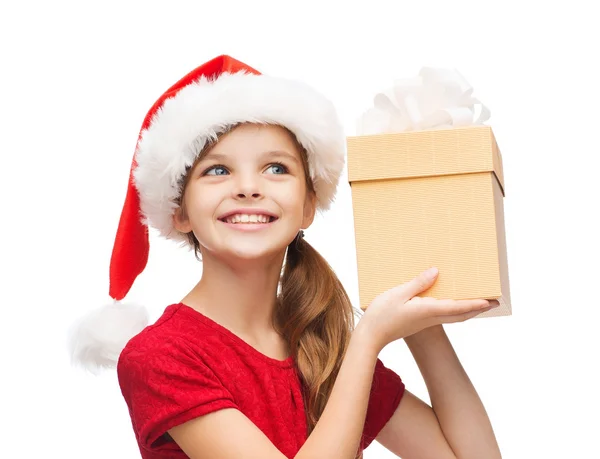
column 181, row 222
column 310, row 208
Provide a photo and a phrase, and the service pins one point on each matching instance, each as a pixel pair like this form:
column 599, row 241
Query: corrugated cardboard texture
column 445, row 210
column 424, row 154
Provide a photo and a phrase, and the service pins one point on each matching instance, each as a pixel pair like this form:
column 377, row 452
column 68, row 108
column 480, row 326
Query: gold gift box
column 430, row 198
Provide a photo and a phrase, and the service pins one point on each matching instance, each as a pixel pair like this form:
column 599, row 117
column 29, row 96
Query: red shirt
column 186, row 365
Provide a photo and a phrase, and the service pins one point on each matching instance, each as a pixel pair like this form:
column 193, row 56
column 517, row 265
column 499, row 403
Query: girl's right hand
column 399, row 312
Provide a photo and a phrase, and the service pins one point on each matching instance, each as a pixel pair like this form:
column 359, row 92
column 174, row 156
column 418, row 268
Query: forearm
column 338, row 432
column 459, row 409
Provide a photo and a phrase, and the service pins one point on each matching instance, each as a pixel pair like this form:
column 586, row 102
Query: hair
column 313, row 314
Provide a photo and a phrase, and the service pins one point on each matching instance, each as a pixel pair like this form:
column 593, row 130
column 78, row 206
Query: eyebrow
column 267, row 154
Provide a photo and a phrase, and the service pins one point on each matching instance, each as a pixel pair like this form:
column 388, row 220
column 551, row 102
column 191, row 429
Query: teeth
column 248, row 218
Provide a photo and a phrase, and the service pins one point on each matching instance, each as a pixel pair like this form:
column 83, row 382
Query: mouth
column 242, row 218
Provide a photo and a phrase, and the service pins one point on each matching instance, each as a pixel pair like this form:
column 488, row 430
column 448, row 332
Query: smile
column 248, row 218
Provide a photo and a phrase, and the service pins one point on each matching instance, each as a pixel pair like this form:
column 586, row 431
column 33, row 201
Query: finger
column 454, row 307
column 419, row 284
column 463, row 317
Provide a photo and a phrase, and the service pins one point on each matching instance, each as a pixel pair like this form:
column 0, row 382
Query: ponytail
column 316, row 316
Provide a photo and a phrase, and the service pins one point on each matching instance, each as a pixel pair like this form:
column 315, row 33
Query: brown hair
column 314, row 314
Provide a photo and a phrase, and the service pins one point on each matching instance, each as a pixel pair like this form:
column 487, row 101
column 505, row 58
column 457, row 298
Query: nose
column 247, row 186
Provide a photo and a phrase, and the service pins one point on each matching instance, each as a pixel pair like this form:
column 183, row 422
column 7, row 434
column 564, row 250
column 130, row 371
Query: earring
column 301, row 233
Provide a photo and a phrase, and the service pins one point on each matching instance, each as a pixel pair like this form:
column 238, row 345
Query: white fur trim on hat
column 97, row 339
column 197, row 113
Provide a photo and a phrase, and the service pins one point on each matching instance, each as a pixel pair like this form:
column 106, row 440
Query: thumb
column 420, row 283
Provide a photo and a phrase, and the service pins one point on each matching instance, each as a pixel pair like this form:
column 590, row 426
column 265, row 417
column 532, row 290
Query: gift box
column 430, row 197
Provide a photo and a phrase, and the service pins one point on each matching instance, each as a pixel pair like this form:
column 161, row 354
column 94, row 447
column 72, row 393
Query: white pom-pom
column 97, row 339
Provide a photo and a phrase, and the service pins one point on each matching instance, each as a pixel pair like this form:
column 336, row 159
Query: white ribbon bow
column 437, row 98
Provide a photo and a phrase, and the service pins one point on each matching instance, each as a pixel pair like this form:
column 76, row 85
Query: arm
column 336, row 435
column 458, row 425
column 338, row 432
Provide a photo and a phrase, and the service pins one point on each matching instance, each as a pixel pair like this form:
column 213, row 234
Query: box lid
column 452, row 151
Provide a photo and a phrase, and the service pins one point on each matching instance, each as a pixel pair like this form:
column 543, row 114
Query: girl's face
column 247, row 197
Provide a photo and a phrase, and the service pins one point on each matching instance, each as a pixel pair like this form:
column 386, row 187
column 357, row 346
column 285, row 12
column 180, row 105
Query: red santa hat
column 220, row 93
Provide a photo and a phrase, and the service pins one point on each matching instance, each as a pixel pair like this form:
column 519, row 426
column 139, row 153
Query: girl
column 256, row 362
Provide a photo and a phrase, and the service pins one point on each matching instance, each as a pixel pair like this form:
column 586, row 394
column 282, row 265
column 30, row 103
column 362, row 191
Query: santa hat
column 219, row 94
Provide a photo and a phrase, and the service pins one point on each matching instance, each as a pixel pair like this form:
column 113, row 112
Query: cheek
column 201, row 205
column 293, row 199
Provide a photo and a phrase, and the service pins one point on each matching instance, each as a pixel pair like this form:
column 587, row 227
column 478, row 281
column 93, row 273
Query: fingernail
column 431, row 272
column 491, row 304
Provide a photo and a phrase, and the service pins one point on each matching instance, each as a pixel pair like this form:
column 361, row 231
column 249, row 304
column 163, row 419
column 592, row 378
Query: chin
column 254, row 252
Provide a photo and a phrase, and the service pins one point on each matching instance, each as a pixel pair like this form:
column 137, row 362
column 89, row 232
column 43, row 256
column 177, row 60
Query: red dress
column 186, row 365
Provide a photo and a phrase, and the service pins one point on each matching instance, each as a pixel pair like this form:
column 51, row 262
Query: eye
column 216, row 170
column 278, row 168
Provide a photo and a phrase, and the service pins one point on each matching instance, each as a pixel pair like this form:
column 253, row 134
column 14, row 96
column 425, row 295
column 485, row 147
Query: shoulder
column 167, row 375
column 149, row 339
column 179, row 337
column 167, row 338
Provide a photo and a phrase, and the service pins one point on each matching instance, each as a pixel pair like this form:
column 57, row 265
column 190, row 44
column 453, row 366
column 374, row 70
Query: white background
column 76, row 82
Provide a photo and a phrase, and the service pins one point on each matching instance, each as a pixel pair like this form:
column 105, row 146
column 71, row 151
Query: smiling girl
column 262, row 358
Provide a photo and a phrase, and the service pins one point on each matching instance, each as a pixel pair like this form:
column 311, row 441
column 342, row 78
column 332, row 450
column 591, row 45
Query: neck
column 240, row 296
